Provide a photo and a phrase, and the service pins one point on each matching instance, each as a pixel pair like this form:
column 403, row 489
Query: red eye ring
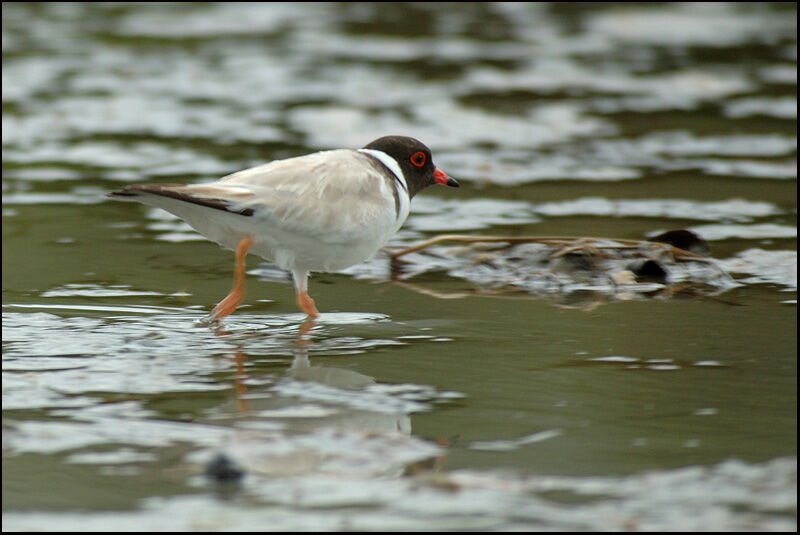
column 418, row 159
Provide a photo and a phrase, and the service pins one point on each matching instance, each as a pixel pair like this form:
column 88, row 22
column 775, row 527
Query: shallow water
column 417, row 403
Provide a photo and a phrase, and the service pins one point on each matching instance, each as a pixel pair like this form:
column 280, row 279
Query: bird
column 323, row 211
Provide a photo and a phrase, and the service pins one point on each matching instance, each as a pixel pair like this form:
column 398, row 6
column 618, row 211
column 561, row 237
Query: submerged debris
column 570, row 270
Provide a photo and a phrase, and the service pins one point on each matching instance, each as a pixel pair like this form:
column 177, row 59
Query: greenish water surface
column 408, row 407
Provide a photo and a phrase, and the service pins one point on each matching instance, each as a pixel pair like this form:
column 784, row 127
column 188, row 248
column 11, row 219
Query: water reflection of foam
column 311, row 420
column 691, row 24
column 763, row 266
column 729, row 496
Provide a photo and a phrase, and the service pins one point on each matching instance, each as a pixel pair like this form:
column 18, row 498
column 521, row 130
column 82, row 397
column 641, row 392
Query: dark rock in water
column 684, row 239
column 648, row 271
column 223, row 470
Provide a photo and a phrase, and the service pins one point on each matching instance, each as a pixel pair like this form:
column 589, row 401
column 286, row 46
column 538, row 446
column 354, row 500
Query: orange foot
column 234, row 299
column 306, row 304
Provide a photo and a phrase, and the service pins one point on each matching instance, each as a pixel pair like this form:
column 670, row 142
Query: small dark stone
column 222, row 469
column 684, row 239
column 648, row 271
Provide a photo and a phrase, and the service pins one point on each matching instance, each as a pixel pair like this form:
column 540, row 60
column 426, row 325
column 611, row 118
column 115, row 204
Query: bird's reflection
column 312, row 419
column 311, row 396
column 302, row 370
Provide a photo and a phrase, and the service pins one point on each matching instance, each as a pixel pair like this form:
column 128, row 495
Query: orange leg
column 305, row 302
column 234, row 299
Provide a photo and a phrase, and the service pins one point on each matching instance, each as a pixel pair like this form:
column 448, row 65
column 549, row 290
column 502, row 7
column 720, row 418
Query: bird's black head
column 415, row 160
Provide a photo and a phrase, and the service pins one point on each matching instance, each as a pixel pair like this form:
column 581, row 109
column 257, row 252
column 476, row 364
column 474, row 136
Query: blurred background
column 407, row 411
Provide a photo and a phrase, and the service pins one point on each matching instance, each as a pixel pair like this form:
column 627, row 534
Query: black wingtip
column 166, row 190
column 120, row 193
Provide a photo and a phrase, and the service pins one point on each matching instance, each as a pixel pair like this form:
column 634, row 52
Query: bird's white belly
column 292, row 251
column 303, row 253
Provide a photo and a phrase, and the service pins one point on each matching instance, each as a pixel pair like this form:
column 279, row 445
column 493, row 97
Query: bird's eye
column 418, row 159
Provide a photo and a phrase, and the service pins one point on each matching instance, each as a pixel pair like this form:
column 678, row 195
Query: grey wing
column 331, row 197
